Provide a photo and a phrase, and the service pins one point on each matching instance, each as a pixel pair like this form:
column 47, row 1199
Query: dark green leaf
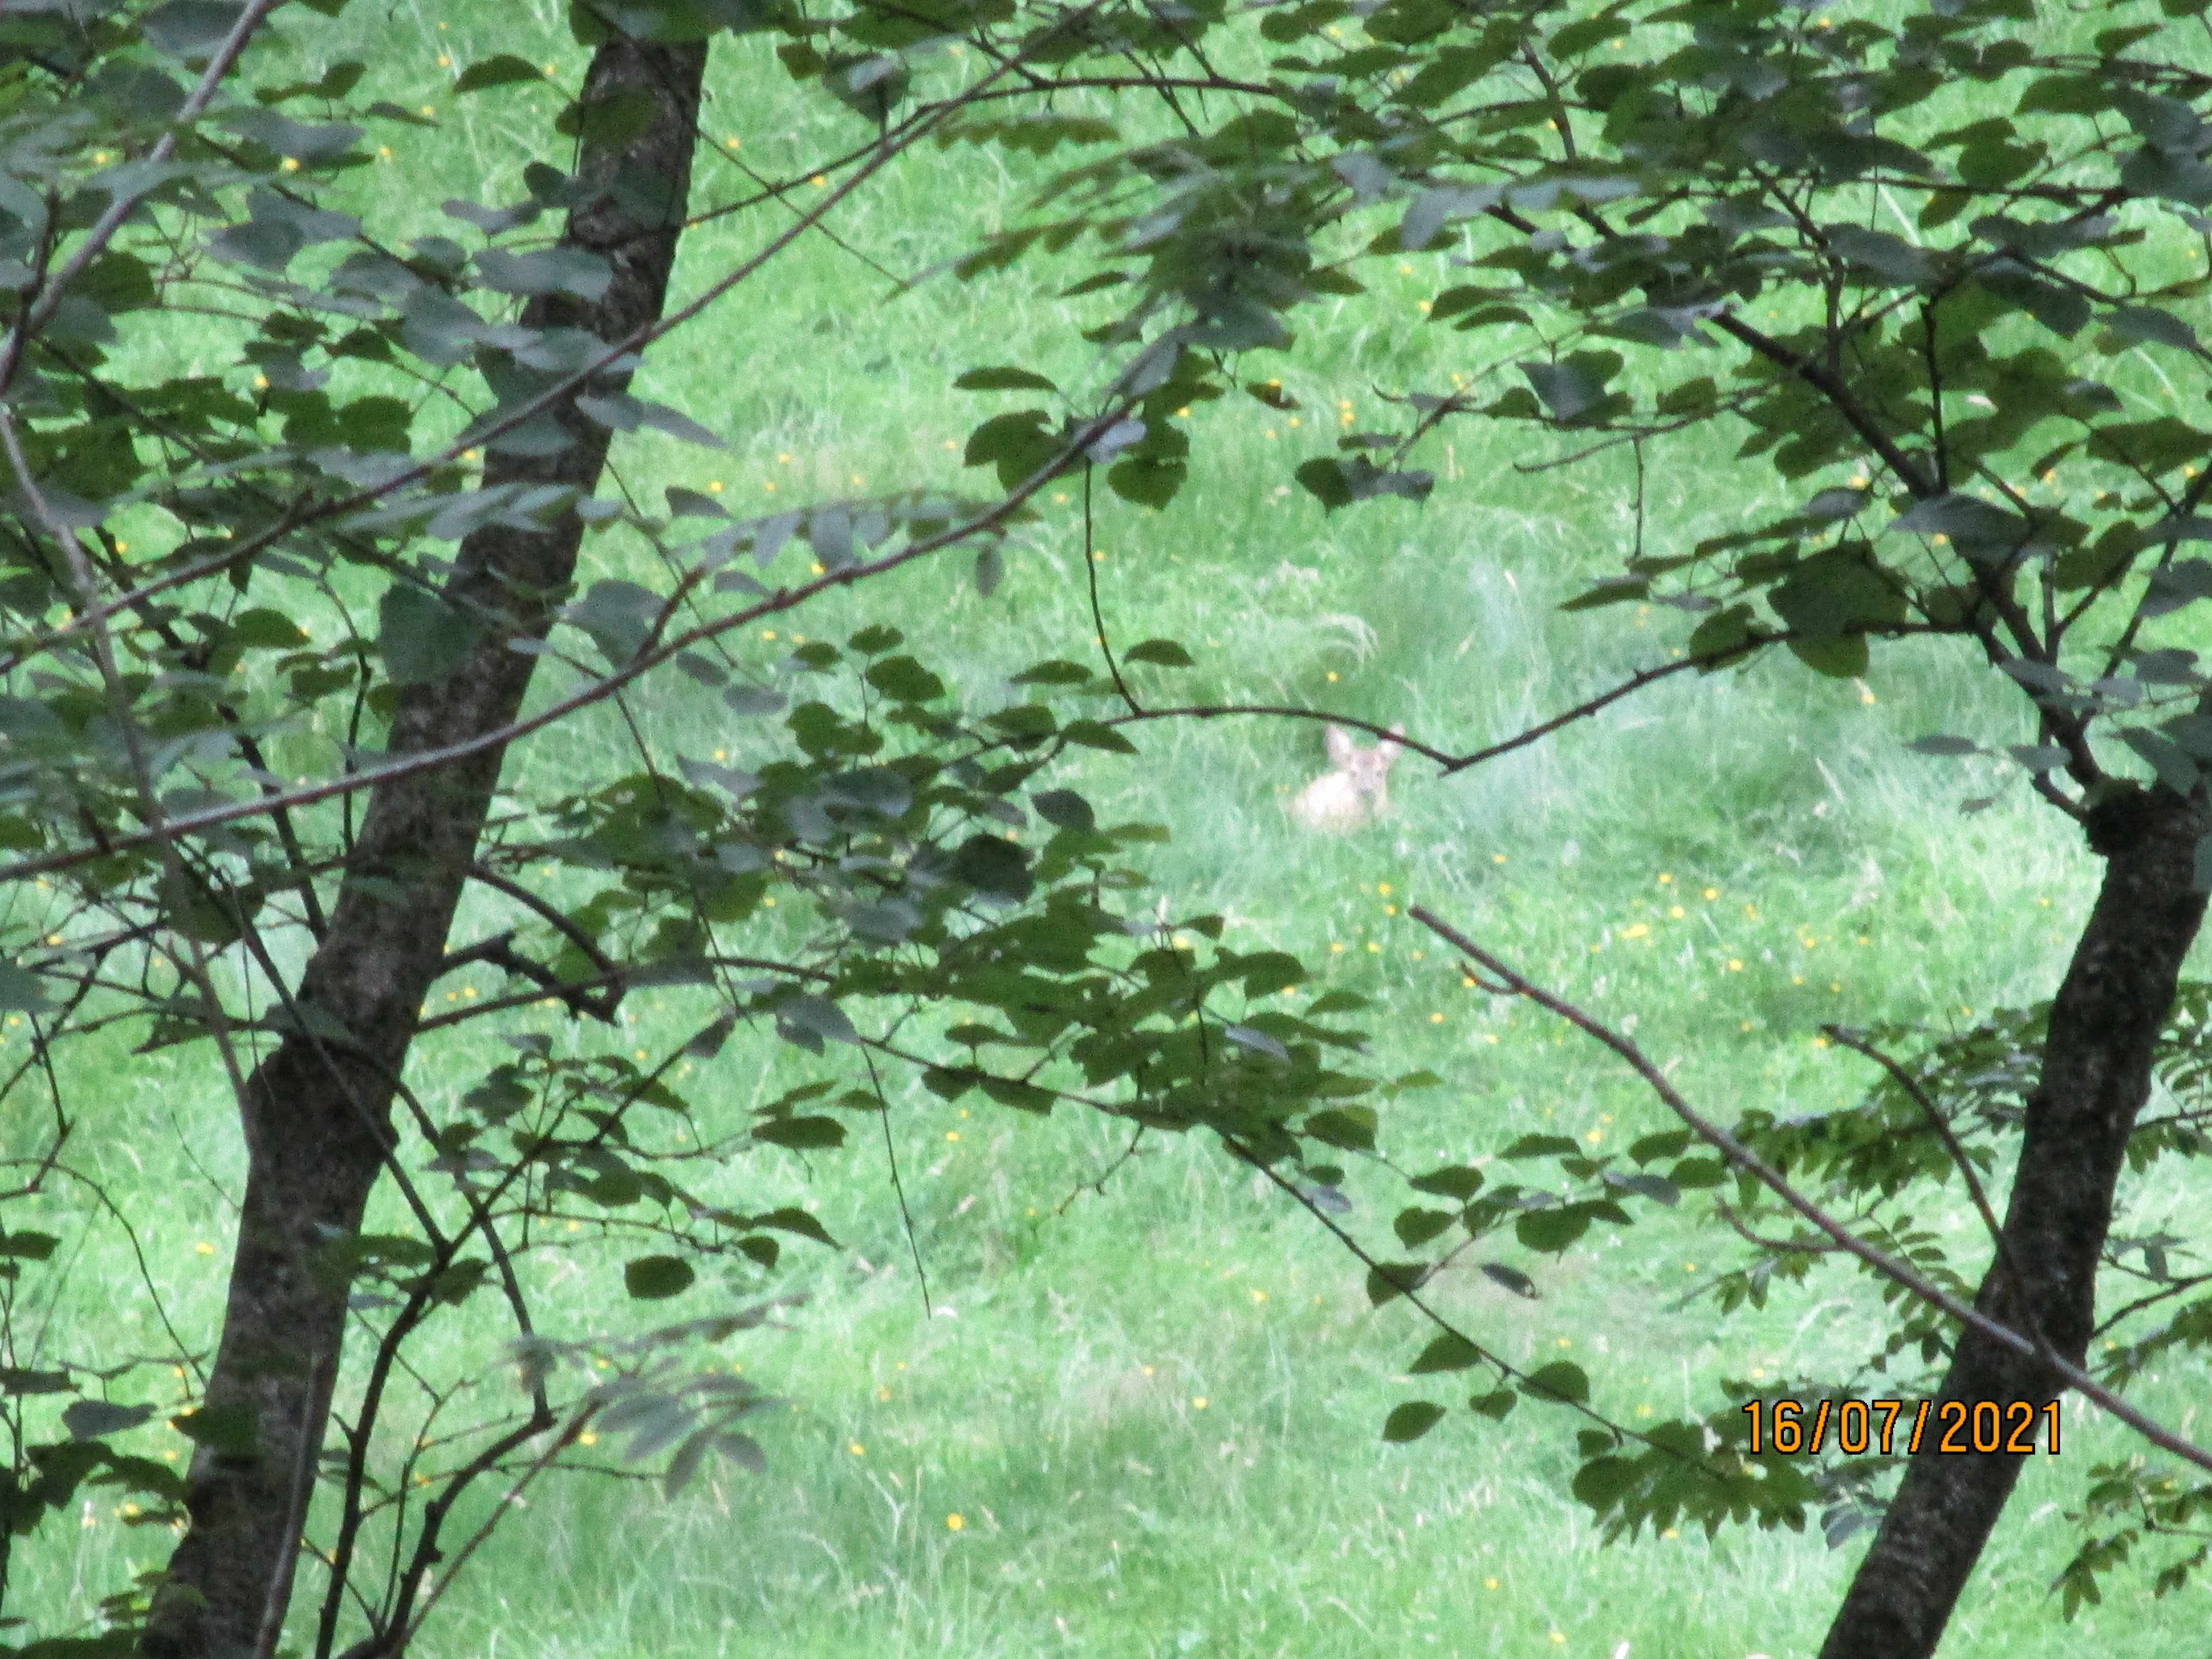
column 1550, row 1230
column 1603, row 1481
column 654, row 1278
column 903, row 679
column 1561, row 1380
column 1458, row 1181
column 1449, row 1353
column 96, row 1419
column 1004, row 379
column 1065, row 808
column 501, row 69
column 1411, row 1420
column 1416, row 1227
column 608, row 121
column 1092, row 735
column 801, row 1133
column 421, row 637
column 1512, row 1278
column 994, row 866
column 1167, row 653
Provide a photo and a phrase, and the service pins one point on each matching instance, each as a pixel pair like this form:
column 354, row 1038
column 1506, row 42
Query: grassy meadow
column 1143, row 1418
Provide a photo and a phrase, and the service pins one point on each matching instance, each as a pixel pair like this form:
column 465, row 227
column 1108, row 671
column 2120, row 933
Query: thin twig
column 1750, row 1162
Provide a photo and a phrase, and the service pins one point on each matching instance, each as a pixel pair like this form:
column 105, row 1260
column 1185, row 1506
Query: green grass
column 1154, row 1404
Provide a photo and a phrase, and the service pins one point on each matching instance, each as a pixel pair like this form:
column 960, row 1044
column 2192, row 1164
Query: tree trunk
column 317, row 1111
column 2096, row 1077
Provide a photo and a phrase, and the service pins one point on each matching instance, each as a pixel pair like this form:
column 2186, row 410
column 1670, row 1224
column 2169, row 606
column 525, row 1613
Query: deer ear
column 1339, row 744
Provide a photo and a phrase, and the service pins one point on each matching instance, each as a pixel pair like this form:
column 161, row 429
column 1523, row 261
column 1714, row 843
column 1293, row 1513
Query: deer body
column 1355, row 787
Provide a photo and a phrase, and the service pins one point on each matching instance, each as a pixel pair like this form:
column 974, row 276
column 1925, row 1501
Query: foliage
column 221, row 584
column 1961, row 334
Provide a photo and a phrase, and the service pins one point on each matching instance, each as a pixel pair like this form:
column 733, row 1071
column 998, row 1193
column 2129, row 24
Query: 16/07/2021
column 1858, row 1426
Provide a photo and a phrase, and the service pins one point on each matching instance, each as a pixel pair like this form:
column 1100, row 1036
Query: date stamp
column 1856, row 1428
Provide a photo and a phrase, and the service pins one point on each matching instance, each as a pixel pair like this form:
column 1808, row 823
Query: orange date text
column 1856, row 1428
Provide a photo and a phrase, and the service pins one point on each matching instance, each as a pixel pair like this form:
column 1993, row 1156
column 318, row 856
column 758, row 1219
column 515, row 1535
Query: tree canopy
column 302, row 513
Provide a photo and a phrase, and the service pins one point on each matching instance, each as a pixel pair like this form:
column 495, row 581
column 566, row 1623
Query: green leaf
column 1697, row 1174
column 421, row 637
column 1602, row 1482
column 263, row 630
column 1447, row 1352
column 903, row 679
column 1387, row 1280
column 22, row 991
column 190, row 28
column 1656, row 1187
column 1147, row 480
column 1411, row 1420
column 618, row 616
column 1092, row 735
column 1004, row 379
column 1324, row 480
column 1352, row 1129
column 1416, row 1227
column 267, row 243
column 561, row 270
column 1167, row 653
column 1844, row 658
column 805, row 1015
column 796, row 1221
column 1551, row 1231
column 1065, row 810
column 691, row 504
column 1459, row 1181
column 1512, row 1278
column 994, row 866
column 88, row 1419
column 1841, row 589
column 1038, row 132
column 2175, row 769
column 1056, row 672
column 503, row 70
column 1018, row 443
column 801, row 1133
column 1574, row 388
column 609, row 121
column 334, row 83
column 2136, row 324
column 1561, row 1380
column 1012, row 1091
column 1267, row 972
column 1610, row 590
column 1890, row 257
column 1666, row 1143
column 1259, row 1042
column 117, row 281
column 1937, row 742
column 655, row 1278
column 228, row 1430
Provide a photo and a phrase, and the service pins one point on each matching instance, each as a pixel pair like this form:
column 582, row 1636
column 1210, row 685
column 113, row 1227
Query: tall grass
column 1143, row 1419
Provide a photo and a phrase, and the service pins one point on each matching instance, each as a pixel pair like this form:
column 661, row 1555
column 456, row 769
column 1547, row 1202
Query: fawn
column 1354, row 790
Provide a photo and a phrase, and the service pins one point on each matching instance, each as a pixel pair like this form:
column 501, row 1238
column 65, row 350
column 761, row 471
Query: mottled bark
column 317, row 1111
column 2096, row 1077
